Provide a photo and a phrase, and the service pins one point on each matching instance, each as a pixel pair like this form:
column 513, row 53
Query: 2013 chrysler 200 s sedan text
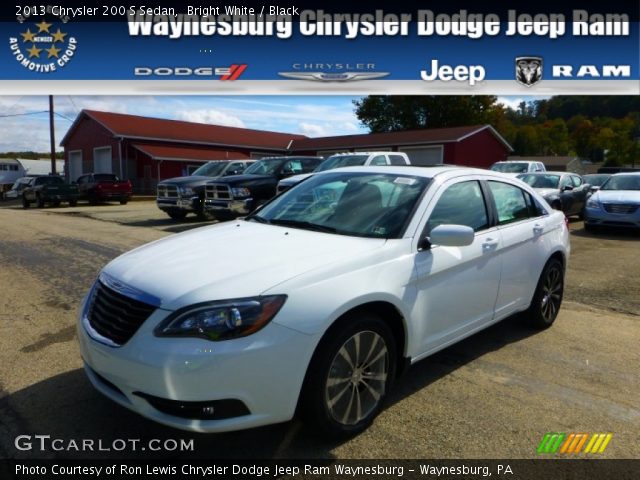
column 316, row 301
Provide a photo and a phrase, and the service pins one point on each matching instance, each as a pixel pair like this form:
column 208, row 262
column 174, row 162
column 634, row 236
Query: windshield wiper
column 258, row 218
column 304, row 225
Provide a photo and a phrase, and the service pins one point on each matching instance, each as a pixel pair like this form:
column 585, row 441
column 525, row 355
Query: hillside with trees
column 596, row 128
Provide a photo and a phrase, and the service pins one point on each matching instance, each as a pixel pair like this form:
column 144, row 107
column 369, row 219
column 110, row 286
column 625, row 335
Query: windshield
column 510, row 167
column 210, row 169
column 105, row 177
column 622, row 182
column 267, row 166
column 596, row 180
column 541, row 181
column 353, row 203
column 50, row 181
column 338, row 161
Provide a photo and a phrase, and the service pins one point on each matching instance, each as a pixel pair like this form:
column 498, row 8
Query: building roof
column 147, row 128
column 161, row 152
column 388, row 139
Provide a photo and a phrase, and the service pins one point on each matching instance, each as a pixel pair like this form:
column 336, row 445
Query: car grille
column 622, row 208
column 167, row 191
column 115, row 316
column 218, row 192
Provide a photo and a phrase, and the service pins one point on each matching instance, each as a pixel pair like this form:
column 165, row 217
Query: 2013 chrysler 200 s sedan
column 316, row 301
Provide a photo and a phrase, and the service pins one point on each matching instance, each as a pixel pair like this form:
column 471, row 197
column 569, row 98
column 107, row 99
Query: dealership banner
column 298, row 49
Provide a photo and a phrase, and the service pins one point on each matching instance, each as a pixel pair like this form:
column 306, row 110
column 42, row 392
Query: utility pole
column 52, row 136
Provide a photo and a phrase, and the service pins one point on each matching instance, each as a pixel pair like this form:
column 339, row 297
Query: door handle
column 538, row 229
column 489, row 244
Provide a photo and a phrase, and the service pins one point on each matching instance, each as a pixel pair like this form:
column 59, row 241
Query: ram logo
column 568, row 71
column 528, row 70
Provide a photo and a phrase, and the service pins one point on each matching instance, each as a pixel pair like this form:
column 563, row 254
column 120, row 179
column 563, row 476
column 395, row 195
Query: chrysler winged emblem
column 528, row 70
column 333, row 77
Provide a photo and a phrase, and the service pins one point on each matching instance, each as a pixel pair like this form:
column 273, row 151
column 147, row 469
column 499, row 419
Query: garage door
column 102, row 160
column 424, row 155
column 75, row 165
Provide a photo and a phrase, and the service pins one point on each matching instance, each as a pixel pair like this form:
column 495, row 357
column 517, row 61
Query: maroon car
column 104, row 187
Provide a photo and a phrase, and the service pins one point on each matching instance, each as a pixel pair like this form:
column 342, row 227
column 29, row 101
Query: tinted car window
column 105, row 177
column 397, row 160
column 566, row 181
column 310, row 164
column 577, row 181
column 49, row 181
column 379, row 160
column 510, row 202
column 460, row 204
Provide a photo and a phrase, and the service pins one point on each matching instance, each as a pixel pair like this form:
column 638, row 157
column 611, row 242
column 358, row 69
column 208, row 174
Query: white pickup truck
column 352, row 159
column 516, row 167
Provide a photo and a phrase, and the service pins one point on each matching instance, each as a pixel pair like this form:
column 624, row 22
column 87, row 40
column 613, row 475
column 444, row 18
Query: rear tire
column 123, row 202
column 25, row 203
column 56, row 204
column 73, row 203
column 177, row 215
column 40, row 201
column 349, row 376
column 547, row 298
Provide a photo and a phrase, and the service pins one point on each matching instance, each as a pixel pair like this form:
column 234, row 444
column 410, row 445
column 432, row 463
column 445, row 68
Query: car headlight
column 593, row 203
column 222, row 320
column 241, row 192
column 186, row 191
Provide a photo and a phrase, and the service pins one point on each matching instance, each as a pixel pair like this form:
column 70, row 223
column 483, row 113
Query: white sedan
column 318, row 300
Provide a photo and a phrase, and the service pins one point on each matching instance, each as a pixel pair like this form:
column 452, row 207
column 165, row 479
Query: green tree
column 394, row 113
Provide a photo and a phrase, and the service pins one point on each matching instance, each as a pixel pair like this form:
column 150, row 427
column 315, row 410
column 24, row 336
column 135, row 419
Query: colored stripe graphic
column 235, row 71
column 554, row 442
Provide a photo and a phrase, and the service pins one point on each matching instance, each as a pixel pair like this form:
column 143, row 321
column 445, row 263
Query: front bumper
column 234, row 207
column 187, row 204
column 263, row 371
column 599, row 217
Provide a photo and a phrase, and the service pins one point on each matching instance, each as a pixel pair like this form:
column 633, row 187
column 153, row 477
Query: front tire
column 349, row 376
column 40, row 201
column 25, row 203
column 547, row 298
column 177, row 215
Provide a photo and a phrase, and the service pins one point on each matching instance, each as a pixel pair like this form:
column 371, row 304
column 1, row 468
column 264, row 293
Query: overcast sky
column 24, row 120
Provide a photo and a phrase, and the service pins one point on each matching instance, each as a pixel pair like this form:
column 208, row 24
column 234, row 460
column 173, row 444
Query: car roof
column 552, row 172
column 426, row 172
column 634, row 174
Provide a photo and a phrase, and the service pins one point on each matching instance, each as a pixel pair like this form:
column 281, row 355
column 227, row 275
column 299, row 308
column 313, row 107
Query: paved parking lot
column 493, row 395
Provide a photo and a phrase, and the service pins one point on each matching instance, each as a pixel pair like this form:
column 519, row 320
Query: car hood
column 295, row 179
column 230, row 260
column 545, row 192
column 246, row 180
column 187, row 181
column 617, row 196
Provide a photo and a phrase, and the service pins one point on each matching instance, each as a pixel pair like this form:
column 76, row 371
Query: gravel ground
column 493, row 395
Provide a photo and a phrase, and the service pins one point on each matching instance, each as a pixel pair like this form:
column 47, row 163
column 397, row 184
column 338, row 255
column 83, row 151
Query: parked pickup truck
column 240, row 194
column 353, row 159
column 517, row 167
column 49, row 189
column 180, row 196
column 103, row 187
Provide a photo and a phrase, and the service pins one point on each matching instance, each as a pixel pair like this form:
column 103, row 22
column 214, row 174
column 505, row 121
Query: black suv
column 240, row 194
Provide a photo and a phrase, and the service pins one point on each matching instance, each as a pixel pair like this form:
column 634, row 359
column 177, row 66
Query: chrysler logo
column 333, row 76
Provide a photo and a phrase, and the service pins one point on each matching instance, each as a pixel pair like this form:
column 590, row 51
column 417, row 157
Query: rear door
column 522, row 224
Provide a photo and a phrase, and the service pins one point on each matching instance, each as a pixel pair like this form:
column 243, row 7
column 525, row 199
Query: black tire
column 177, row 215
column 123, row 202
column 547, row 298
column 73, row 203
column 56, row 203
column 40, row 201
column 25, row 203
column 93, row 198
column 333, row 409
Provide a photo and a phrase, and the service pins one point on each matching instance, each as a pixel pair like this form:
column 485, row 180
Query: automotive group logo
column 43, row 47
column 333, row 72
column 528, row 70
column 574, row 443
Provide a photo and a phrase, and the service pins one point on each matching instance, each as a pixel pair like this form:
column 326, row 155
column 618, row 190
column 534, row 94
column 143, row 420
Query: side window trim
column 489, row 203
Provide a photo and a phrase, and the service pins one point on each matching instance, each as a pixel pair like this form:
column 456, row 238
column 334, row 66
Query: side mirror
column 452, row 236
column 567, row 188
column 595, row 188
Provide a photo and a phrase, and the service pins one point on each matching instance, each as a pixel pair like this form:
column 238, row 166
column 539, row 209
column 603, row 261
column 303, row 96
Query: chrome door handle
column 538, row 229
column 489, row 243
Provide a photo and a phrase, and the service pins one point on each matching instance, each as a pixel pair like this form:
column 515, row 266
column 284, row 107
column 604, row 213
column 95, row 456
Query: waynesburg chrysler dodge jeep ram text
column 314, row 303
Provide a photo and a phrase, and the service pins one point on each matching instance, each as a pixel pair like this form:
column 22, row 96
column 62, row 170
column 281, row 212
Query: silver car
column 615, row 204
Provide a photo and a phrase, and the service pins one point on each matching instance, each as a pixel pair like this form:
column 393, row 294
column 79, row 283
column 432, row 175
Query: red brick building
column 146, row 150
